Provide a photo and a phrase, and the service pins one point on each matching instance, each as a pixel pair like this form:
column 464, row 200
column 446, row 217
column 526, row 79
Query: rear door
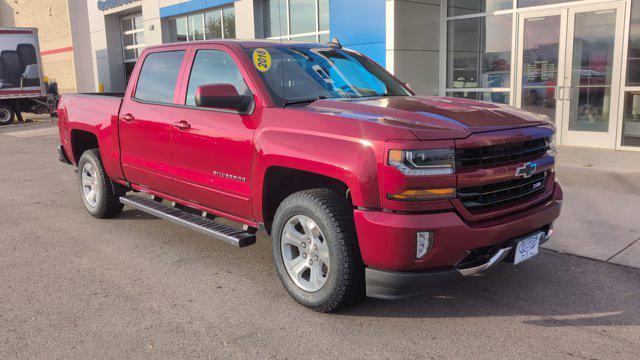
column 146, row 118
column 212, row 158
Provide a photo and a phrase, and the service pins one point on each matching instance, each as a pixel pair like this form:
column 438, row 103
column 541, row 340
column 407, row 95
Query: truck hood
column 431, row 117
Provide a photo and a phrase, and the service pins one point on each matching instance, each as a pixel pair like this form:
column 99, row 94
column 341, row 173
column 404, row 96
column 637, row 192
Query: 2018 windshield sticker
column 262, row 59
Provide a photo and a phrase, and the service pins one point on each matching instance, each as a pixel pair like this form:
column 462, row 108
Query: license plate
column 527, row 248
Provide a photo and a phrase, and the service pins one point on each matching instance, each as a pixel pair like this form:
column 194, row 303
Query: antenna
column 335, row 43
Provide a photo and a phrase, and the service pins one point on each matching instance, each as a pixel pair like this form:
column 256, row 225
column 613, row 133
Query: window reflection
column 592, row 67
column 631, row 118
column 304, row 20
column 633, row 70
column 466, row 7
column 495, row 97
column 479, row 52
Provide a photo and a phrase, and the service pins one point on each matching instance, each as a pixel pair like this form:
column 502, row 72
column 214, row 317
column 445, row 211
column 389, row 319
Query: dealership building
column 577, row 62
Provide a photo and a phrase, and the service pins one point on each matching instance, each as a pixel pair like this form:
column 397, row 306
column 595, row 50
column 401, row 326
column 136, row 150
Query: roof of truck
column 242, row 43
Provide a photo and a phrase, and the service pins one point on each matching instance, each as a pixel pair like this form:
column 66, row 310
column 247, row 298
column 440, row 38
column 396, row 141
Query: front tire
column 316, row 251
column 6, row 114
column 96, row 190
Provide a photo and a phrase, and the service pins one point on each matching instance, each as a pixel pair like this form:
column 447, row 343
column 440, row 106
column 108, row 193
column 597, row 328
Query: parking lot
column 73, row 287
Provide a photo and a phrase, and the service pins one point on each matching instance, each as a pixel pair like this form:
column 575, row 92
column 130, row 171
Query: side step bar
column 233, row 236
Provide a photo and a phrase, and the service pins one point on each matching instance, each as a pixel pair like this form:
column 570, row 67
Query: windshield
column 295, row 74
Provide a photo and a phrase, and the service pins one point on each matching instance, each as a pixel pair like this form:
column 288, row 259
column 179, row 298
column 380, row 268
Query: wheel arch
column 281, row 181
column 82, row 141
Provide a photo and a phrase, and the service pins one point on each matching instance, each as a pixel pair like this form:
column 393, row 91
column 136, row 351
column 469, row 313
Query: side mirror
column 407, row 85
column 221, row 96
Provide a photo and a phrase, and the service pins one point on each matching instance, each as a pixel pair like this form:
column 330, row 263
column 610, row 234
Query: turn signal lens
column 422, row 195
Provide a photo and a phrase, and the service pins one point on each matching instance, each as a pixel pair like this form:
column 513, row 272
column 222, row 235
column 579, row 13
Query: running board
column 233, row 236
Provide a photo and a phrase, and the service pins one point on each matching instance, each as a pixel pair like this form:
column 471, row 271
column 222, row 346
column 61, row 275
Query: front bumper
column 388, row 244
column 393, row 285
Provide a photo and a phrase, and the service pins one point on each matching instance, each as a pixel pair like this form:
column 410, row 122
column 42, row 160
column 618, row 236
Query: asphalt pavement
column 73, row 287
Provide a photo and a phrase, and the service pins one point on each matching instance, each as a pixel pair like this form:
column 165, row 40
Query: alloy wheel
column 305, row 253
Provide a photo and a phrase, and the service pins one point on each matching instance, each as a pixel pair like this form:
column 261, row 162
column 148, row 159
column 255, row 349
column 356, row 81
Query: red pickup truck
column 365, row 188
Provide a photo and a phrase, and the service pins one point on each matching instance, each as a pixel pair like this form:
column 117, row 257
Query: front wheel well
column 82, row 141
column 280, row 182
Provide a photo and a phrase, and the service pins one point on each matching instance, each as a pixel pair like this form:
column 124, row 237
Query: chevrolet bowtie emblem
column 526, row 170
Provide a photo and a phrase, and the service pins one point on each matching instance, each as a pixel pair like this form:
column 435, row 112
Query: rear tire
column 6, row 114
column 96, row 189
column 319, row 223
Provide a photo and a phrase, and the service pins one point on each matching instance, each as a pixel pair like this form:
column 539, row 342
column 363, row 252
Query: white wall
column 81, row 42
column 413, row 43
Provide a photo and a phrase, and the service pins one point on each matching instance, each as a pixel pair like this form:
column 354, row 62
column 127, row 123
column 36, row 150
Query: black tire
column 334, row 216
column 107, row 200
column 6, row 114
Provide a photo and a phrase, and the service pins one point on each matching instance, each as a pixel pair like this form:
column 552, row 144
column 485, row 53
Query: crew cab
column 365, row 188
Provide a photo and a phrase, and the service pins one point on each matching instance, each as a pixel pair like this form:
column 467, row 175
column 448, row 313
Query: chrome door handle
column 182, row 125
column 127, row 118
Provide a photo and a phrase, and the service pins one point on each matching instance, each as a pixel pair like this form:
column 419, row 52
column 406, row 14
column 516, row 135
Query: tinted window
column 214, row 67
column 159, row 76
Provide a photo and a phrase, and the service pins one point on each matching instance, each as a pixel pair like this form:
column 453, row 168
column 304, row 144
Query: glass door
column 541, row 62
column 592, row 82
column 569, row 62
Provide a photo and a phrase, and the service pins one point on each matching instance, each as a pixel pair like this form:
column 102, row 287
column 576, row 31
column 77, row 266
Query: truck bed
column 92, row 113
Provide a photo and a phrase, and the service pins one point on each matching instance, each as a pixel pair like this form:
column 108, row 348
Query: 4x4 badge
column 526, row 170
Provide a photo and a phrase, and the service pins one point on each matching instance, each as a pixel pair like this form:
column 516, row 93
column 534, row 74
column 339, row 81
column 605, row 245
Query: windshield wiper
column 302, row 101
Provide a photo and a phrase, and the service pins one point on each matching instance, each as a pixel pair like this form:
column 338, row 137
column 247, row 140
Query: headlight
column 423, row 162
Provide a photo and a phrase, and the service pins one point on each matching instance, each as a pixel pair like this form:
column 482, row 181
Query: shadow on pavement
column 553, row 288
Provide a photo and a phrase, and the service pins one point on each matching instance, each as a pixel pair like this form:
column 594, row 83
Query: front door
column 212, row 154
column 569, row 61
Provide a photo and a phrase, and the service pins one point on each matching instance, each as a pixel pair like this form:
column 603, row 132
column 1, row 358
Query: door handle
column 182, row 125
column 127, row 117
column 557, row 91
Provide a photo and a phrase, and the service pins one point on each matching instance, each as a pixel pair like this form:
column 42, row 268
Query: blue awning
column 192, row 6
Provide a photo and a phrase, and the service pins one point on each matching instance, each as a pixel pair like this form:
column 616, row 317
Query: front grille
column 501, row 153
column 497, row 194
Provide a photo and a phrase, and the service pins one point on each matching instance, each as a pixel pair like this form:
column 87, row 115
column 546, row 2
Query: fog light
column 424, row 243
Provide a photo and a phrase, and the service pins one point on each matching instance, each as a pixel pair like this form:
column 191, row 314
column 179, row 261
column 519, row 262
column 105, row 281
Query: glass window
column 502, row 97
column 275, row 18
column 305, row 38
column 479, row 52
column 466, row 7
column 229, row 15
column 323, row 15
column 213, row 25
column 214, row 67
column 303, row 72
column 527, row 3
column 158, row 77
column 126, row 25
column 302, row 14
column 308, row 17
column 631, row 118
column 592, row 67
column 181, row 29
column 633, row 70
column 196, row 28
column 323, row 38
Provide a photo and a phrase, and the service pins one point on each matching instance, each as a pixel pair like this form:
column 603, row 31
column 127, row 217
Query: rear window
column 158, row 77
